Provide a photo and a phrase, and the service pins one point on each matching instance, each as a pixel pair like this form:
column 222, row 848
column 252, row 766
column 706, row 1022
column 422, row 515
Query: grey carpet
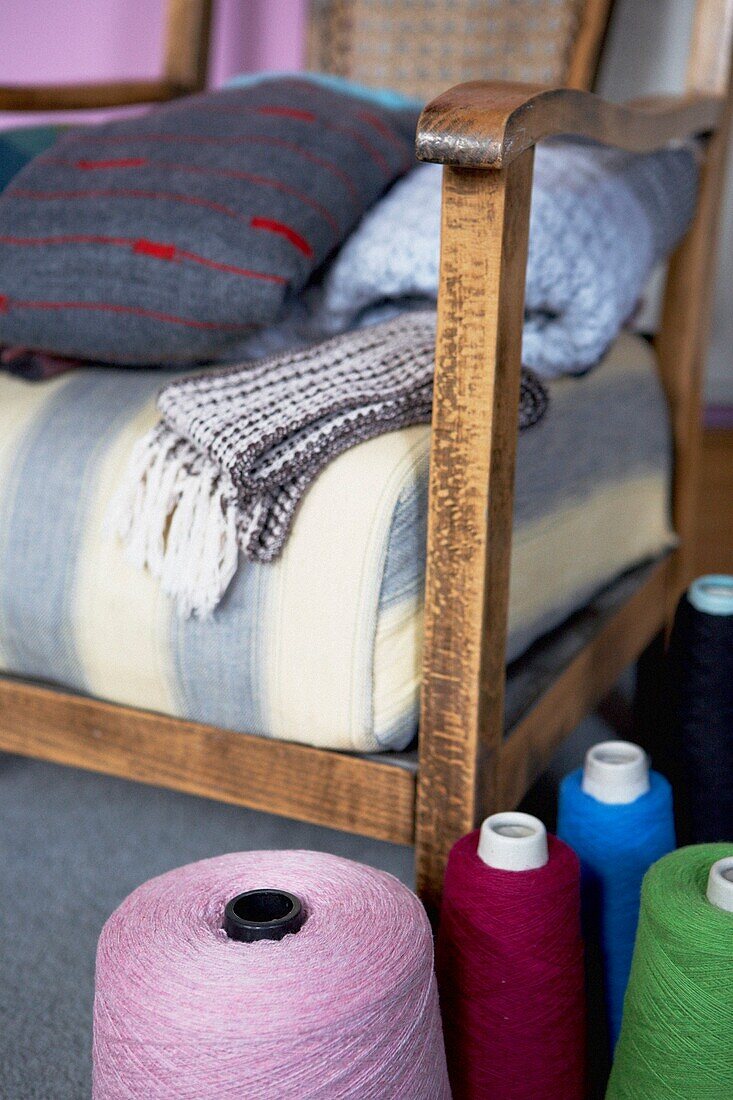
column 72, row 846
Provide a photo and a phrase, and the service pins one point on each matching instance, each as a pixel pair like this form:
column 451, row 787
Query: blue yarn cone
column 616, row 844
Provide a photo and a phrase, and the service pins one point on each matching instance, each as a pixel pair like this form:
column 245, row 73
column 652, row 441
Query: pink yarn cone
column 345, row 1008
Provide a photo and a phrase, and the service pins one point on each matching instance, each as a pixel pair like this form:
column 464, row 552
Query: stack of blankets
column 236, row 450
column 238, row 446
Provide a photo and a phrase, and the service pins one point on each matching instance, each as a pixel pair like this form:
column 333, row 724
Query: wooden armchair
column 470, row 761
column 187, row 33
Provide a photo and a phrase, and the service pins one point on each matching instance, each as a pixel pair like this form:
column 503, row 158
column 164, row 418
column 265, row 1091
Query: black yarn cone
column 700, row 679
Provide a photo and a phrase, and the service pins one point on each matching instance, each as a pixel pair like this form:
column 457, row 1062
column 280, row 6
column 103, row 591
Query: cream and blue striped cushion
column 323, row 646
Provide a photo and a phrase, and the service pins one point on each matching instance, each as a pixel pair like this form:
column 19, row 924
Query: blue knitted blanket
column 601, row 220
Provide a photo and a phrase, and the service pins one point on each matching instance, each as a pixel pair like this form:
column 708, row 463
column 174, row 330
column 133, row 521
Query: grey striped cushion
column 169, row 236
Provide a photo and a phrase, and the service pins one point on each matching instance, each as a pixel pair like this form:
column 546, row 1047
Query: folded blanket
column 236, row 449
column 600, row 221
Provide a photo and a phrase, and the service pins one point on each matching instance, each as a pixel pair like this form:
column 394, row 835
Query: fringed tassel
column 175, row 515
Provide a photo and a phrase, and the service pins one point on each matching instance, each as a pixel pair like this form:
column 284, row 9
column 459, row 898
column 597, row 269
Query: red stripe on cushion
column 312, row 158
column 229, row 268
column 240, row 139
column 65, row 238
column 112, row 307
column 149, row 248
column 285, row 231
column 134, row 139
column 127, row 193
column 119, row 162
column 386, row 132
column 154, row 248
column 259, row 181
column 359, row 115
column 367, row 117
column 367, row 146
column 258, row 139
column 229, row 173
column 286, row 112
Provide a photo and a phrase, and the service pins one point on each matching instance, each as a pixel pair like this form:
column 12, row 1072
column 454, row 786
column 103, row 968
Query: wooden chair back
column 423, row 48
column 185, row 64
column 419, row 49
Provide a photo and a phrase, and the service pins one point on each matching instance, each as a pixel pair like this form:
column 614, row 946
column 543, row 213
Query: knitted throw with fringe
column 236, row 449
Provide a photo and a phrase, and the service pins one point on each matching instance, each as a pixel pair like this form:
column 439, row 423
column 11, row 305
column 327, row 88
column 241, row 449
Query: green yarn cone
column 676, row 1039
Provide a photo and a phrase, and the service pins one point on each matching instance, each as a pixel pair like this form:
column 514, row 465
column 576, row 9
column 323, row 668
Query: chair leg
column 485, row 225
column 445, row 812
column 430, row 861
column 454, row 794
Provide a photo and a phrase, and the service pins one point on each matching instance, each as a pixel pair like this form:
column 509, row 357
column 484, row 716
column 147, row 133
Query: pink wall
column 258, row 34
column 68, row 40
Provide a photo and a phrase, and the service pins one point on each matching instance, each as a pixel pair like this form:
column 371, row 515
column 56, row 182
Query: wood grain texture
column 188, row 32
column 80, row 97
column 187, row 35
column 682, row 342
column 325, row 788
column 485, row 124
column 708, row 68
column 714, row 505
column 484, row 233
column 585, row 681
column 586, row 49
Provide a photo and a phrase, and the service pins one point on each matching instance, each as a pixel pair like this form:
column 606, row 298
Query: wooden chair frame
column 187, row 33
column 484, row 134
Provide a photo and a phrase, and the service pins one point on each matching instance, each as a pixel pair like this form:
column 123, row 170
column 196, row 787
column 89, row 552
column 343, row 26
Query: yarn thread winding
column 701, row 683
column 345, row 1007
column 678, row 1014
column 510, row 973
column 616, row 844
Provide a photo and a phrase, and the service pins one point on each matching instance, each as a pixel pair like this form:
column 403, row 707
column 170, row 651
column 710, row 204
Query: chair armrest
column 75, row 97
column 487, row 124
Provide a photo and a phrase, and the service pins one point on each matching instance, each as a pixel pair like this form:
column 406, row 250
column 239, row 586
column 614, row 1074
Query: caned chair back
column 422, row 47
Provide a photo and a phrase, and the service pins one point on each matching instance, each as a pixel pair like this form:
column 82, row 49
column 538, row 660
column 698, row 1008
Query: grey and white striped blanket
column 236, row 449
